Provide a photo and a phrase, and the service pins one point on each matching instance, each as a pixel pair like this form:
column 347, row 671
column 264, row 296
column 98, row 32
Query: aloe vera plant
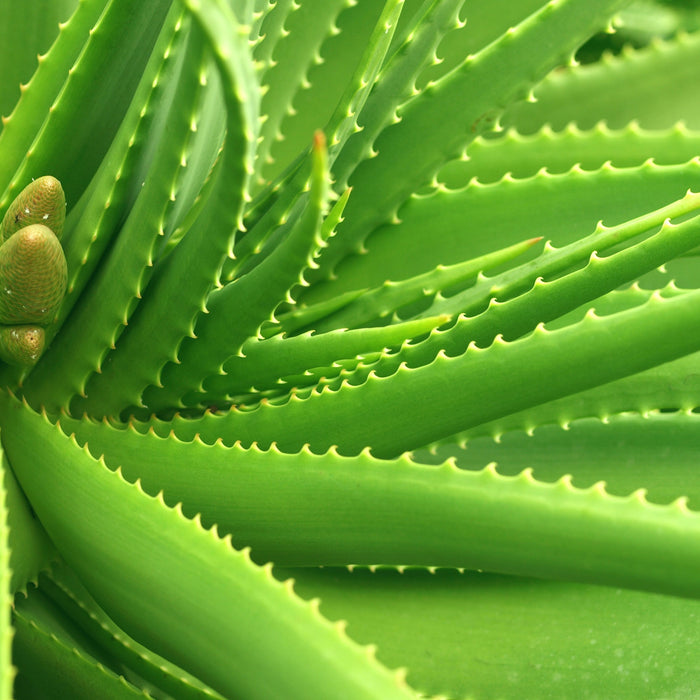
column 370, row 362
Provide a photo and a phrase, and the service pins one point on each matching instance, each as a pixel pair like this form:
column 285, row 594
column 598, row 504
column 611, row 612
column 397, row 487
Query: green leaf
column 396, row 81
column 303, row 359
column 25, row 31
column 309, row 509
column 124, row 270
column 250, row 300
column 628, row 451
column 489, row 159
column 66, row 591
column 71, row 141
column 209, row 239
column 179, row 589
column 476, row 219
column 31, row 551
column 382, row 301
column 649, row 85
column 305, row 28
column 485, row 636
column 54, row 659
column 455, row 393
column 436, row 125
column 28, row 115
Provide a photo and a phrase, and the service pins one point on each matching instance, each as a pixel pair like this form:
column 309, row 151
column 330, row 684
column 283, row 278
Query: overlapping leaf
column 292, row 354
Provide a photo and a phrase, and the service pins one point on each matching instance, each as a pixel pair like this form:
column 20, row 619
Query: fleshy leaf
column 162, row 566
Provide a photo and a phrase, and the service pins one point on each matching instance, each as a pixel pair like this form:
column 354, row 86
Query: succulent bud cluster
column 33, row 270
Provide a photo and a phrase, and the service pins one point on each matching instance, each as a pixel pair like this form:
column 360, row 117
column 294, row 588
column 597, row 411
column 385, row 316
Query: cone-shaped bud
column 33, row 275
column 21, row 345
column 40, row 202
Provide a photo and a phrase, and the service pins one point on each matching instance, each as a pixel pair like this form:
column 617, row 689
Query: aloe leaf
column 55, row 660
column 452, row 394
column 489, row 159
column 299, row 317
column 269, row 219
column 209, row 239
column 671, row 386
column 380, row 302
column 31, row 551
column 251, row 299
column 627, row 297
column 476, row 218
column 245, row 13
column 66, row 591
column 261, row 365
column 200, row 161
column 344, row 120
column 629, row 451
column 309, row 509
column 28, row 115
column 245, row 373
column 639, row 24
column 598, row 276
column 253, row 250
column 276, row 207
column 335, row 87
column 272, row 29
column 198, row 157
column 491, row 308
column 396, row 81
column 482, row 23
column 95, row 219
column 282, row 363
column 270, row 230
column 306, row 27
column 180, row 589
column 505, row 637
column 345, row 57
column 125, row 270
column 71, row 143
column 18, row 57
column 619, row 89
column 449, row 114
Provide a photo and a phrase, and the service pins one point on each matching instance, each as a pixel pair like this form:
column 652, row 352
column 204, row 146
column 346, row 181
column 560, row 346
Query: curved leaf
column 178, row 588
